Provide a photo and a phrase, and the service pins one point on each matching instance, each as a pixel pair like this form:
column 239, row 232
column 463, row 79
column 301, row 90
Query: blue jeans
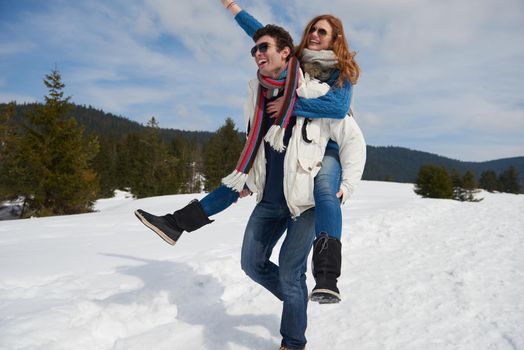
column 219, row 199
column 287, row 280
column 328, row 217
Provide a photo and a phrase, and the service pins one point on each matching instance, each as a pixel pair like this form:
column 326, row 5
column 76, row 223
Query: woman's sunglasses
column 262, row 47
column 321, row 31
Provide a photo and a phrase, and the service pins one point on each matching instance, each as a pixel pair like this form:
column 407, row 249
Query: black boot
column 170, row 227
column 327, row 258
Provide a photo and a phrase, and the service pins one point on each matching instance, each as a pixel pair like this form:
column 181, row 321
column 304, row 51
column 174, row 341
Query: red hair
column 349, row 68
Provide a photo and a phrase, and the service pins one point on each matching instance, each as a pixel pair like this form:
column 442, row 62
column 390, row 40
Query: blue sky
column 440, row 76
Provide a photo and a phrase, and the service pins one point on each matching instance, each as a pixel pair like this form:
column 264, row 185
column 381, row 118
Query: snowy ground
column 417, row 274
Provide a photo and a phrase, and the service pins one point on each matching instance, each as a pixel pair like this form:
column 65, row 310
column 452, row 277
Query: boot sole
column 325, row 296
column 155, row 229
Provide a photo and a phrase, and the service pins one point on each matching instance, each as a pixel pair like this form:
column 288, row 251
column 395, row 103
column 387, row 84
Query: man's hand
column 245, row 192
column 340, row 193
column 275, row 106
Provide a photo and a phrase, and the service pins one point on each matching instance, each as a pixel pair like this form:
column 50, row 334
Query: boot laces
column 324, row 239
column 320, row 266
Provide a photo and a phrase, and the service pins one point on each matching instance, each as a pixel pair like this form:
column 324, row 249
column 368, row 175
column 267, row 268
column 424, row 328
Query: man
column 271, row 216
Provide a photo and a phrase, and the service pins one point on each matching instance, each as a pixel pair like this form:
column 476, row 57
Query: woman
column 324, row 55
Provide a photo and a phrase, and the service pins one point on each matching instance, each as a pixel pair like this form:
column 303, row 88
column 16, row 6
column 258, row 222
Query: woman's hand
column 275, row 106
column 232, row 6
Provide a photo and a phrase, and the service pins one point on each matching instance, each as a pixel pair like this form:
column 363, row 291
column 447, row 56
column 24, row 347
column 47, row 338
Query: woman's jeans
column 287, row 280
column 218, row 200
column 328, row 217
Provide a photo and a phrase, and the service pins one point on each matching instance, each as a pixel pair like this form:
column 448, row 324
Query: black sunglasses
column 321, row 31
column 262, row 47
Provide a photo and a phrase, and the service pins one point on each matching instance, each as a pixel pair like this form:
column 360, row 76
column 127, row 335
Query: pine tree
column 147, row 164
column 6, row 127
column 221, row 154
column 456, row 181
column 105, row 164
column 186, row 160
column 488, row 181
column 10, row 141
column 50, row 162
column 469, row 186
column 434, row 182
column 509, row 181
column 128, row 162
column 196, row 164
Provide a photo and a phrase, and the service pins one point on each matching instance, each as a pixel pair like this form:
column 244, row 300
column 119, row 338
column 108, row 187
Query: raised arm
column 335, row 104
column 247, row 22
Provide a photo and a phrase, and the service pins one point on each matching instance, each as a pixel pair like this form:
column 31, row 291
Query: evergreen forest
column 57, row 157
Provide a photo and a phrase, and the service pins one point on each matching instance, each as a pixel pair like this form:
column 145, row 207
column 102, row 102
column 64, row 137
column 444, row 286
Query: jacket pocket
column 309, row 165
column 302, row 182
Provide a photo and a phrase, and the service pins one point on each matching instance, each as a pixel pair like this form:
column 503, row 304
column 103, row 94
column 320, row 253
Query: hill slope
column 383, row 163
column 402, row 164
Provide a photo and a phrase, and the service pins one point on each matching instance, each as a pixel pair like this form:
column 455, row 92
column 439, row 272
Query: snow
column 417, row 274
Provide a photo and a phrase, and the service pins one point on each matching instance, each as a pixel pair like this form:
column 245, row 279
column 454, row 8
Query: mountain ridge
column 384, row 163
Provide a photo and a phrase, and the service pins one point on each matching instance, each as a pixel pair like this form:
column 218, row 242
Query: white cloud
column 474, row 152
column 99, row 37
column 205, row 29
column 6, row 97
column 107, row 46
column 191, row 117
column 86, row 75
column 431, row 70
column 13, row 48
column 120, row 99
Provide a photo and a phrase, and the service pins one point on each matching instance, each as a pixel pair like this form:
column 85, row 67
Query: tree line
column 54, row 167
column 58, row 158
column 436, row 182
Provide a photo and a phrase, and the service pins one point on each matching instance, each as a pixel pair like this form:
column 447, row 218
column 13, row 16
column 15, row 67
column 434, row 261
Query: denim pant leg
column 218, row 200
column 266, row 225
column 328, row 217
column 293, row 265
column 288, row 280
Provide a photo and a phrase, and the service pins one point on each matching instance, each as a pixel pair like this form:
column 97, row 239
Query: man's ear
column 286, row 51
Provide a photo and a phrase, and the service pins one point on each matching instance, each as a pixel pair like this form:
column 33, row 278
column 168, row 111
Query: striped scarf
column 267, row 89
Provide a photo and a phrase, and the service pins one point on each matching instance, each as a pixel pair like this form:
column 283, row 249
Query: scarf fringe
column 275, row 135
column 275, row 138
column 236, row 180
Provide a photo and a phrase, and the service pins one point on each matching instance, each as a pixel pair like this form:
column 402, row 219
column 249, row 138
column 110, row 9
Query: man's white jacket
column 303, row 160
